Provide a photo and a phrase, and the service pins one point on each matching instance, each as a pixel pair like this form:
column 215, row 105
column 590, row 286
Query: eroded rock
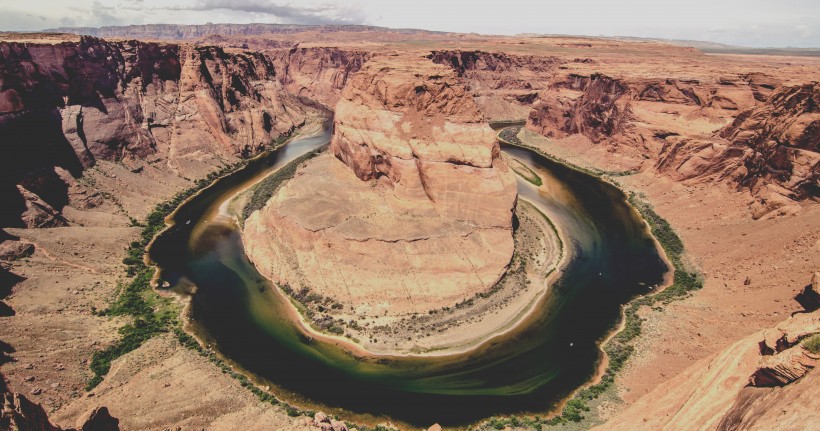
column 413, row 213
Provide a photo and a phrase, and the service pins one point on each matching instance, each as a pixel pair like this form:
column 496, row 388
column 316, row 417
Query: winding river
column 527, row 370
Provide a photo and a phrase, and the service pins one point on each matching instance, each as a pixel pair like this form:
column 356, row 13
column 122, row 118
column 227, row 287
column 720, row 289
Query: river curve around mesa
column 529, row 369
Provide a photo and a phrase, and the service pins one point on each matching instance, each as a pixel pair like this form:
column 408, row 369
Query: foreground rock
column 413, row 213
column 17, row 413
column 764, row 381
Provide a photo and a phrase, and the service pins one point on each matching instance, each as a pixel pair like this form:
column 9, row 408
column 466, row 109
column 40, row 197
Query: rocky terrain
column 413, row 213
column 160, row 108
column 763, row 381
column 97, row 132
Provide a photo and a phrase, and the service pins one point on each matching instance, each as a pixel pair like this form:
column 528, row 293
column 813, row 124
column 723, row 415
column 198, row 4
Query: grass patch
column 525, row 172
column 812, row 344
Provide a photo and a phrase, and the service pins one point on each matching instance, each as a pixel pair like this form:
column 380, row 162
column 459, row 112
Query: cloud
column 104, row 15
column 287, row 13
column 13, row 20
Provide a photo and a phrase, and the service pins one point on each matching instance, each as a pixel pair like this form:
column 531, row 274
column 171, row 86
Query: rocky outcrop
column 781, row 139
column 415, row 124
column 18, row 413
column 772, row 150
column 784, row 368
column 188, row 108
column 601, row 111
column 723, row 391
column 11, row 249
column 809, row 298
column 98, row 419
column 412, row 211
column 318, row 74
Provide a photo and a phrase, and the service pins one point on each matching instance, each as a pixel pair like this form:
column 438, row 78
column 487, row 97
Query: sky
column 755, row 23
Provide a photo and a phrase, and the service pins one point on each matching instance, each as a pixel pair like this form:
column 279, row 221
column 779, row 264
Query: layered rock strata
column 764, row 381
column 413, row 213
column 65, row 107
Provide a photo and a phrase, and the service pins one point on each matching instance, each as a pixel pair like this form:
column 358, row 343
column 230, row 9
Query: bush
column 812, row 344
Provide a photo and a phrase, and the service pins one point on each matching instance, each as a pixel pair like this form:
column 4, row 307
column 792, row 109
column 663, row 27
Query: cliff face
column 602, row 110
column 318, row 74
column 415, row 124
column 692, row 130
column 414, row 211
column 771, row 149
column 503, row 85
column 64, row 107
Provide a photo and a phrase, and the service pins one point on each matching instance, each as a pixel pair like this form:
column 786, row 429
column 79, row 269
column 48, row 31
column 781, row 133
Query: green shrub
column 812, row 344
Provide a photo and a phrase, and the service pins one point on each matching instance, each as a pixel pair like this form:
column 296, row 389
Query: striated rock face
column 415, row 124
column 723, row 391
column 602, row 110
column 413, row 213
column 319, row 74
column 189, row 108
column 771, row 149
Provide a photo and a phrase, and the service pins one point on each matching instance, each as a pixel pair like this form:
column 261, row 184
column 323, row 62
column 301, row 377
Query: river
column 527, row 370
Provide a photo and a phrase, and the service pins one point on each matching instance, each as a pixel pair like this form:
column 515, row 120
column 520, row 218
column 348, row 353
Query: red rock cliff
column 65, row 106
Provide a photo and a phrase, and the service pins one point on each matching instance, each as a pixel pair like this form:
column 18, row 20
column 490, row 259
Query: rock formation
column 318, row 74
column 17, row 413
column 414, row 212
column 602, row 110
column 192, row 108
column 724, row 390
column 771, row 149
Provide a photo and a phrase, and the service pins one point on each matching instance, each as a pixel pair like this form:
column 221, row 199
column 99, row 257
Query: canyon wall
column 318, row 74
column 745, row 128
column 187, row 110
column 414, row 123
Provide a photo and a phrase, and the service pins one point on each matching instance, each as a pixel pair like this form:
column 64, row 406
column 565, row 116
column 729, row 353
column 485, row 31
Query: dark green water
column 529, row 369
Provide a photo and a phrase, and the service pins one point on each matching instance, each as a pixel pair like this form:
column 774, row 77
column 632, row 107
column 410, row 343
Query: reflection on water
column 529, row 369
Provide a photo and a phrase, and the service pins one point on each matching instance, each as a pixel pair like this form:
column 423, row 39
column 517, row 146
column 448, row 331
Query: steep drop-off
column 66, row 106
